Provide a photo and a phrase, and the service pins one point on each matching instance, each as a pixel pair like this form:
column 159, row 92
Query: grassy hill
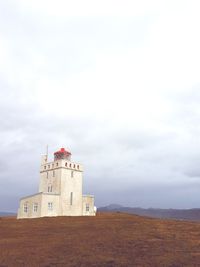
column 109, row 239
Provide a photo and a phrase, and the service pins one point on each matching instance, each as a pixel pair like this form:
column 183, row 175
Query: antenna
column 47, row 151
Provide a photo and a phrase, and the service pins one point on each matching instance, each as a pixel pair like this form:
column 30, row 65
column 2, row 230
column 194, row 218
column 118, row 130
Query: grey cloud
column 112, row 162
column 58, row 42
column 149, row 195
column 192, row 168
column 193, row 173
column 123, row 164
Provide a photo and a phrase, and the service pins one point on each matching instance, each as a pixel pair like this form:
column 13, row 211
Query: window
column 35, row 207
column 25, row 207
column 57, row 164
column 87, row 207
column 74, row 166
column 49, row 166
column 50, row 188
column 45, row 167
column 66, row 164
column 72, row 174
column 53, row 173
column 70, row 165
column 50, row 206
column 78, row 167
column 71, row 198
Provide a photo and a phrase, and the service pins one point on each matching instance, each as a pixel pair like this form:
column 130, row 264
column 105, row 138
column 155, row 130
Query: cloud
column 118, row 85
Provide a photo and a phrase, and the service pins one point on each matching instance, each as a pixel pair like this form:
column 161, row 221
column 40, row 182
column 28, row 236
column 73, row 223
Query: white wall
column 63, row 184
column 71, row 184
column 37, row 198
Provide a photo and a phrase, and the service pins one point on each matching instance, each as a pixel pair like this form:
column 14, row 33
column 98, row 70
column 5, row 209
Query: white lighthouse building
column 60, row 190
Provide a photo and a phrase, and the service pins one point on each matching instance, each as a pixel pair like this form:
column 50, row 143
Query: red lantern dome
column 62, row 154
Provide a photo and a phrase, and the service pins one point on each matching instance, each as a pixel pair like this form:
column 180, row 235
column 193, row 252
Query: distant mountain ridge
column 4, row 214
column 178, row 214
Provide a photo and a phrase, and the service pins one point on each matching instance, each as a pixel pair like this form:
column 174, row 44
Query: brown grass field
column 109, row 239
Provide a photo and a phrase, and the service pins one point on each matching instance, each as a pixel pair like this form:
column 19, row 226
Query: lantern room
column 62, row 154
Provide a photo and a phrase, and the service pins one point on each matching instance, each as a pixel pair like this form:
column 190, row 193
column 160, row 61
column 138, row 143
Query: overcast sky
column 115, row 82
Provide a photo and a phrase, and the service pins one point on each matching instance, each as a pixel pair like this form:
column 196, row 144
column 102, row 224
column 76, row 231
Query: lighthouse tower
column 60, row 190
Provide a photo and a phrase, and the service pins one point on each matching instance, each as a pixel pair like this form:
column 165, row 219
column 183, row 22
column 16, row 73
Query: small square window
column 50, row 206
column 25, row 207
column 50, row 188
column 35, row 207
column 87, row 207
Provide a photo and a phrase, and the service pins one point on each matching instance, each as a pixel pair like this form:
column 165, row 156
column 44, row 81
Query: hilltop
column 109, row 239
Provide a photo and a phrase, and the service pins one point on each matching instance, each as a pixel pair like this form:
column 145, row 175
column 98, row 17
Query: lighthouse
column 60, row 190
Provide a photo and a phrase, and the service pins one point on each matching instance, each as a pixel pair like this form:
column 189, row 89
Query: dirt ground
column 109, row 239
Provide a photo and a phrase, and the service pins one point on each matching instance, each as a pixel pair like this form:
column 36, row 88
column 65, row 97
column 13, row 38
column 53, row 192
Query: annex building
column 60, row 190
